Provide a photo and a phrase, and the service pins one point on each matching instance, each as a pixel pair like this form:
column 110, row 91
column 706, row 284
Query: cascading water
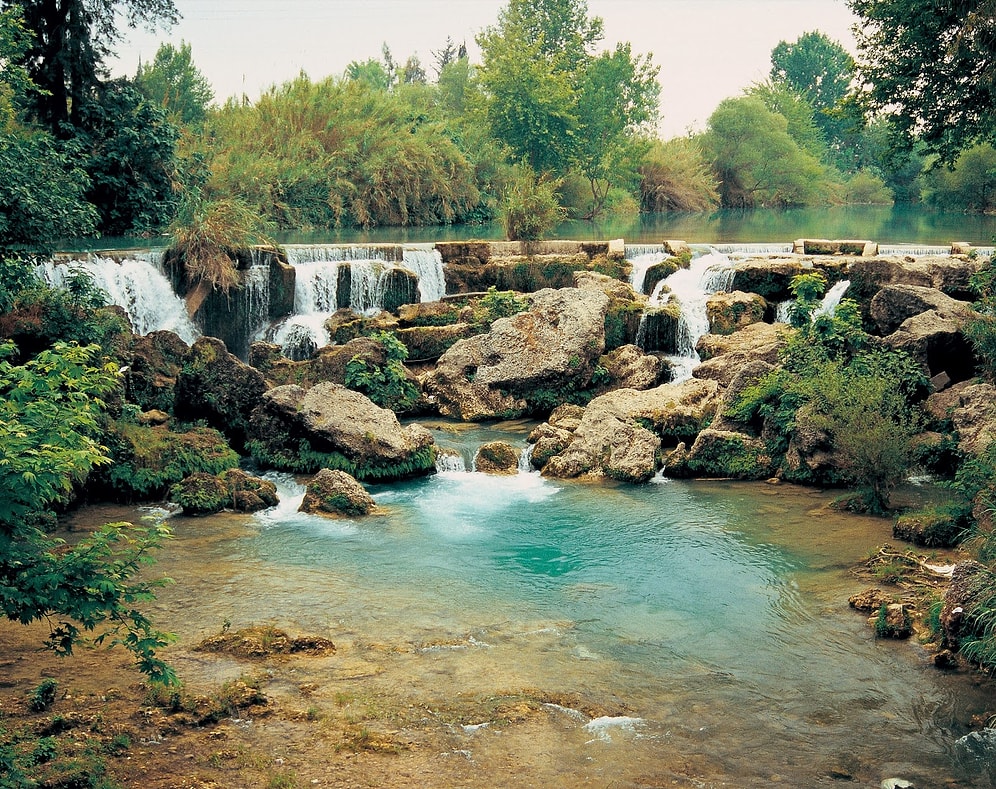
column 832, row 298
column 320, row 290
column 641, row 258
column 137, row 285
column 426, row 263
column 691, row 287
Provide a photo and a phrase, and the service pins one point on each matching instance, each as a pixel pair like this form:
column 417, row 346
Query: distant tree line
column 548, row 125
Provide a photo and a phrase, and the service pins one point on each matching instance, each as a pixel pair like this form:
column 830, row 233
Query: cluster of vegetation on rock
column 837, row 388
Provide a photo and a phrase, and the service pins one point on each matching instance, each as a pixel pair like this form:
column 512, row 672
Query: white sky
column 708, row 50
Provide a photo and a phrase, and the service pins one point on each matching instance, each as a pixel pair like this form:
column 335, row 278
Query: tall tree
column 931, row 69
column 173, row 82
column 71, row 40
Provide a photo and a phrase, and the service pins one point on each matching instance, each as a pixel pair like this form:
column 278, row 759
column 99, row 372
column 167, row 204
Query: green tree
column 780, row 98
column 675, row 176
column 556, row 105
column 820, row 71
column 173, row 82
column 50, row 409
column 757, row 161
column 617, row 95
column 71, row 39
column 129, row 150
column 930, row 68
column 969, row 184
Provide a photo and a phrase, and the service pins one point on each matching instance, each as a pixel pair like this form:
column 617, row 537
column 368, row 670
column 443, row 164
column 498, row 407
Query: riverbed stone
column 497, row 457
column 525, row 361
column 970, row 406
column 336, row 493
column 298, row 429
column 630, row 368
column 724, row 355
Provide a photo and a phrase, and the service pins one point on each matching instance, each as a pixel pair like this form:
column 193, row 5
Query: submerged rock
column 333, row 492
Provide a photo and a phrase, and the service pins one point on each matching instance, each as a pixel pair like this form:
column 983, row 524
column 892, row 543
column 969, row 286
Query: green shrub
column 388, row 384
column 43, row 696
column 531, row 208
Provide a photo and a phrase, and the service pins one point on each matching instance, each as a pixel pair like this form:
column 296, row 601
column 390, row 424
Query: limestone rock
column 728, row 312
column 497, row 457
column 525, row 360
column 299, row 429
column 631, row 368
column 894, row 304
column 894, row 622
column 621, row 432
column 336, row 493
column 430, row 342
column 217, row 387
column 935, row 339
column 971, row 583
column 247, row 492
column 929, row 529
column 725, row 355
column 204, row 494
column 971, row 407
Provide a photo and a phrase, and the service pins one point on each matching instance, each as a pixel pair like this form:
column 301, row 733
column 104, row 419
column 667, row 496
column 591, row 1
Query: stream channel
column 704, row 625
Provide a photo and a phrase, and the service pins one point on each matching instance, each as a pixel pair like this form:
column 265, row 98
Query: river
column 700, row 628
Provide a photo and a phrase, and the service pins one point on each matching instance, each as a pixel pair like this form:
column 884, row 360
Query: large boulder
column 336, row 493
column 935, row 339
column 724, row 355
column 621, row 433
column 630, row 368
column 303, row 430
column 527, row 362
column 894, row 304
column 728, row 312
column 497, row 457
column 767, row 277
column 215, row 386
column 721, row 453
column 155, row 362
column 971, row 409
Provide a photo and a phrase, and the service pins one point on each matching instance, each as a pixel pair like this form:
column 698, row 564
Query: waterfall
column 366, row 286
column 641, row 257
column 137, row 285
column 426, row 263
column 330, row 277
column 709, row 273
column 450, row 461
column 914, row 251
column 776, row 248
column 831, row 299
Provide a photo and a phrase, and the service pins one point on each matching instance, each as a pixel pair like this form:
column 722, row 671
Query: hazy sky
column 707, row 49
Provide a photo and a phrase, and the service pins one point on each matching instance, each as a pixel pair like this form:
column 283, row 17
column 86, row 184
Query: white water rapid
column 317, row 287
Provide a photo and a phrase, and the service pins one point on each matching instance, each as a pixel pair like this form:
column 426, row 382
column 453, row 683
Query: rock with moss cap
column 497, row 457
column 330, row 426
column 337, row 494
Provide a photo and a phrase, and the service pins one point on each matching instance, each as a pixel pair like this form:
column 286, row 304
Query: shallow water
column 707, row 620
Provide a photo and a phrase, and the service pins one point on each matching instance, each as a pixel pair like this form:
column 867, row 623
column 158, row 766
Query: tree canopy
column 70, row 41
column 173, row 82
column 930, row 68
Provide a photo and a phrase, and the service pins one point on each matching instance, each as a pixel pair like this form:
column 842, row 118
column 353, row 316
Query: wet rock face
column 525, row 360
column 217, row 387
column 299, row 429
column 620, row 433
column 336, row 493
column 894, row 304
column 497, row 457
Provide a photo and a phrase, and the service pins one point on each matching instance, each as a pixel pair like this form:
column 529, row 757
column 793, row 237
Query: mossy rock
column 497, row 457
column 658, row 272
column 200, row 494
column 718, row 453
column 930, row 528
column 148, row 460
column 334, row 492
